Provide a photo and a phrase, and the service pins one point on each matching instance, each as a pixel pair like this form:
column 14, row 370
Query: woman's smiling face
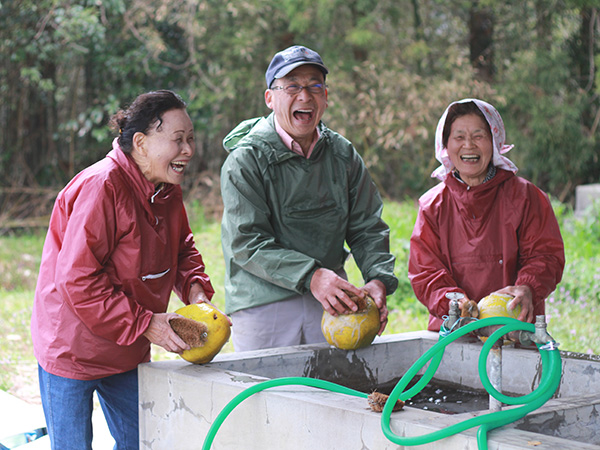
column 165, row 151
column 470, row 148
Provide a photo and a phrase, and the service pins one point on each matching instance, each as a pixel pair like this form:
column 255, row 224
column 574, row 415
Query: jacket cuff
column 308, row 278
column 202, row 281
column 390, row 283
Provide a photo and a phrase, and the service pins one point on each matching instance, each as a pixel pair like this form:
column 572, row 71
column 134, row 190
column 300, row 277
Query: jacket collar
column 475, row 202
column 458, row 186
column 136, row 178
column 261, row 133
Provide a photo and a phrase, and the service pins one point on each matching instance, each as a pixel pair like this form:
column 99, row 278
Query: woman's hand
column 468, row 308
column 522, row 296
column 159, row 332
column 197, row 294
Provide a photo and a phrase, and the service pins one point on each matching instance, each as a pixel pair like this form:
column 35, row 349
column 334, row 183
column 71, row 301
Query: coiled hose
column 551, row 374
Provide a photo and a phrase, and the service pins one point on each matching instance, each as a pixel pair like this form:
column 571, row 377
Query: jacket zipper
column 159, row 188
column 154, row 276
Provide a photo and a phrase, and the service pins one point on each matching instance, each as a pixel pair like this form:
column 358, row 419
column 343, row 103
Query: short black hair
column 146, row 110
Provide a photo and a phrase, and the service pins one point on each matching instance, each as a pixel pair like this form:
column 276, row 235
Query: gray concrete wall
column 585, row 196
column 179, row 401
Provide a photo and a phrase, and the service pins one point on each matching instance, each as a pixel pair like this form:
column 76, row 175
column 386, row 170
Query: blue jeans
column 68, row 406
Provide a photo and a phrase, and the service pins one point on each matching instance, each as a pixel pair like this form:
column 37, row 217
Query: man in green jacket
column 294, row 193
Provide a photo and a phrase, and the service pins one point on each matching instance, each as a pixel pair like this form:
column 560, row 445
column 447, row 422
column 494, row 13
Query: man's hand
column 376, row 289
column 328, row 288
column 522, row 296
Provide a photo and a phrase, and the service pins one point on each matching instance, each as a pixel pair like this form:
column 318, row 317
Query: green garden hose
column 549, row 382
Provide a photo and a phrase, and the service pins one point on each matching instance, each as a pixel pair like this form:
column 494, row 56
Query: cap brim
column 287, row 69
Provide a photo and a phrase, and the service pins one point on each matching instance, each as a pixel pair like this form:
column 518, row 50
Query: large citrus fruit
column 354, row 330
column 218, row 331
column 495, row 305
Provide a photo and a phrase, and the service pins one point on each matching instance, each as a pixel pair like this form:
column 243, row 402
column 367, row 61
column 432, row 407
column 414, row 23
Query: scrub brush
column 377, row 402
column 192, row 332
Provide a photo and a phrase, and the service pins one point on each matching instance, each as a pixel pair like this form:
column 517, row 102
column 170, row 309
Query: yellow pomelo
column 218, row 331
column 354, row 330
column 495, row 305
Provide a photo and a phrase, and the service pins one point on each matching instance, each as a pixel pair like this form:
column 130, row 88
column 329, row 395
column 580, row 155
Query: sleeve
column 247, row 235
column 190, row 267
column 368, row 236
column 541, row 248
column 428, row 269
column 89, row 238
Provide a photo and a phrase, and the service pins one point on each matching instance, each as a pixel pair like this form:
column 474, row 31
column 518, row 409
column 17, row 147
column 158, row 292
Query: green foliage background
column 395, row 65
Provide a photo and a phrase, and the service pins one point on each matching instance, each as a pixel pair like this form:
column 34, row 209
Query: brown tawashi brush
column 377, row 402
column 192, row 332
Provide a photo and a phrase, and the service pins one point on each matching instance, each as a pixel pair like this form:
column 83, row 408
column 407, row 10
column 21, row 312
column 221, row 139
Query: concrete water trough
column 179, row 401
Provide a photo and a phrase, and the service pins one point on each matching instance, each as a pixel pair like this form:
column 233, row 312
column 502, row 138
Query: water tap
column 540, row 336
column 454, row 310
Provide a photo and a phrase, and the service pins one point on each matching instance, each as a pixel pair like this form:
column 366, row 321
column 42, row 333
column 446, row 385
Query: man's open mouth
column 304, row 115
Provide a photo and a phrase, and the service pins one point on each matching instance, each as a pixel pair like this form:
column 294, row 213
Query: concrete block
column 179, row 401
column 585, row 196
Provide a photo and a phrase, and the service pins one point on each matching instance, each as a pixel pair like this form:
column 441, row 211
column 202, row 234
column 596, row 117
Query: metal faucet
column 454, row 310
column 540, row 336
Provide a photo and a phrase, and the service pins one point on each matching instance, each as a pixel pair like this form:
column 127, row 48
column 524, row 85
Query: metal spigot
column 454, row 311
column 540, row 336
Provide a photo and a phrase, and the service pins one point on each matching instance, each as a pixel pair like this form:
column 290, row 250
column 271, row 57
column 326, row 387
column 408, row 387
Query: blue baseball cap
column 287, row 60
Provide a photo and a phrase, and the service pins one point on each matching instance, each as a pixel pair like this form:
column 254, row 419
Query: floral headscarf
column 498, row 136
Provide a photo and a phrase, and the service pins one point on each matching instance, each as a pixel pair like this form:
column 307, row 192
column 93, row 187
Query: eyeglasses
column 293, row 89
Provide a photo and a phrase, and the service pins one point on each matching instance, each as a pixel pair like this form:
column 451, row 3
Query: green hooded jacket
column 285, row 216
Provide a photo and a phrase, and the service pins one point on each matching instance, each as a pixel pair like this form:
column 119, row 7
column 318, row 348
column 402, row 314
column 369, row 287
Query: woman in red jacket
column 482, row 229
column 118, row 244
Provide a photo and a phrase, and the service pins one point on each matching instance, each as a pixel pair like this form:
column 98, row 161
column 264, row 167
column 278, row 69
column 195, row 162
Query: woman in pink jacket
column 482, row 229
column 118, row 244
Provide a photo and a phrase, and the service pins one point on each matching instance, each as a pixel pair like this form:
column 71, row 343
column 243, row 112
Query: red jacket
column 478, row 240
column 113, row 254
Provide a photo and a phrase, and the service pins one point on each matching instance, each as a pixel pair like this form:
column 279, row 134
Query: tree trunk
column 584, row 49
column 481, row 40
column 543, row 23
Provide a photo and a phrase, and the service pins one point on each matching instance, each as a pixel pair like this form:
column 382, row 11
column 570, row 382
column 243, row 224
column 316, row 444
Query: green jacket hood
column 261, row 129
column 239, row 132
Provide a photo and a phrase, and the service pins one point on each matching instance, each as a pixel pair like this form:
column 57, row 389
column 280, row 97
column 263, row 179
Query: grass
column 573, row 309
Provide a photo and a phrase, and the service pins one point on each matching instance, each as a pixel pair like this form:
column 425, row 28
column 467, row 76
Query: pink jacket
column 481, row 239
column 113, row 254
